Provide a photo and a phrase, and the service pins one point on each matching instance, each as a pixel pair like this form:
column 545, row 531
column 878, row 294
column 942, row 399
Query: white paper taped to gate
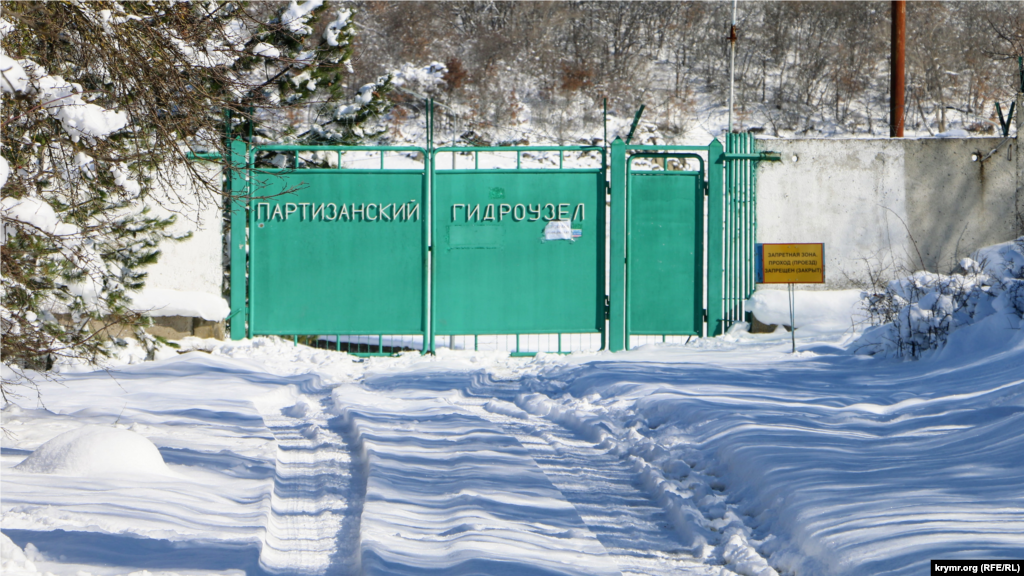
column 558, row 230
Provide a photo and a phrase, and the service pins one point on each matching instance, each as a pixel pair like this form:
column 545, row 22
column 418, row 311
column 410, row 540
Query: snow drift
column 919, row 313
column 96, row 451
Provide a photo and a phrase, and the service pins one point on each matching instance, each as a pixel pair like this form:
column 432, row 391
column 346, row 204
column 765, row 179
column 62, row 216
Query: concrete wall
column 196, row 264
column 889, row 204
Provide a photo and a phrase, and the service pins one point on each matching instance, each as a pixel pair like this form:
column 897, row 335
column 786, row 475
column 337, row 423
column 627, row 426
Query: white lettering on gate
column 519, row 212
column 331, row 212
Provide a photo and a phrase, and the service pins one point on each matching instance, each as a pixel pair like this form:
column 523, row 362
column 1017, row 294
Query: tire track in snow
column 313, row 524
column 607, row 493
column 695, row 503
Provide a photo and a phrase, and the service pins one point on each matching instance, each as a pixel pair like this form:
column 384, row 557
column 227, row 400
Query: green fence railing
column 740, row 223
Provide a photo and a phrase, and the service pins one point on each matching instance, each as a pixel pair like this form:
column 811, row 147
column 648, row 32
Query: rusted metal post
column 897, row 79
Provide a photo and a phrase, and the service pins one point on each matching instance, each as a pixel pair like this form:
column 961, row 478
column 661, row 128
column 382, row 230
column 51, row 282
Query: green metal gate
column 518, row 250
column 508, row 250
column 337, row 251
column 659, row 246
column 664, row 248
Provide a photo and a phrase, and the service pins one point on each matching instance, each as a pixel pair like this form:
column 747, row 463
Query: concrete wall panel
column 195, row 264
column 886, row 205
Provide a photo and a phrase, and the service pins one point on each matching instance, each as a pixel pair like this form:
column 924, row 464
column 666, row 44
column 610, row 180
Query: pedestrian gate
column 665, row 248
column 429, row 251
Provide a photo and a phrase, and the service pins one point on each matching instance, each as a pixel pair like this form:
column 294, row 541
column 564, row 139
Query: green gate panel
column 337, row 252
column 493, row 270
column 664, row 253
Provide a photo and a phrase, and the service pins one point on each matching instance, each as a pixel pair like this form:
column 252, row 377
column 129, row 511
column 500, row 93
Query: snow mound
column 821, row 310
column 920, row 312
column 166, row 302
column 96, row 451
column 13, row 559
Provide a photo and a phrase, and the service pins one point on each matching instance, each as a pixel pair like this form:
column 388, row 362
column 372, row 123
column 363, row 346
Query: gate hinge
column 607, row 308
column 705, row 314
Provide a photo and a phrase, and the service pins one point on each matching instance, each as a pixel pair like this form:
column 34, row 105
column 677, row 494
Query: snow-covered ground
column 724, row 456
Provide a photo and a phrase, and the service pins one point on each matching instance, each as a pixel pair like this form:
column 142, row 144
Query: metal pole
column 897, row 82
column 792, row 315
column 617, row 258
column 732, row 62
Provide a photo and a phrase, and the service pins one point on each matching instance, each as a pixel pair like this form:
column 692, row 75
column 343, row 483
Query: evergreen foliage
column 103, row 102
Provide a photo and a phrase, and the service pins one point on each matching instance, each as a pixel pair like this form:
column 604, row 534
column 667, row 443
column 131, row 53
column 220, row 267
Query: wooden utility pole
column 897, row 64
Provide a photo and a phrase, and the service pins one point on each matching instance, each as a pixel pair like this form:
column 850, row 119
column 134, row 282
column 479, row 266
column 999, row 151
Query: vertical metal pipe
column 617, row 258
column 715, row 247
column 741, row 274
column 734, row 205
column 730, row 233
column 238, row 189
column 429, row 293
column 738, row 230
column 897, row 78
column 629, row 251
column 732, row 62
column 746, row 221
column 253, row 245
column 751, row 214
column 727, row 237
column 741, row 225
column 737, row 249
column 748, row 166
column 792, row 315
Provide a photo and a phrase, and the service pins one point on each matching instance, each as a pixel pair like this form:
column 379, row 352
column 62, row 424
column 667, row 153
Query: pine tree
column 102, row 103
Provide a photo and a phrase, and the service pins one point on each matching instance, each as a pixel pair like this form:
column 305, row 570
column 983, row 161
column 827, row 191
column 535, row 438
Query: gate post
column 617, row 257
column 716, row 221
column 238, row 171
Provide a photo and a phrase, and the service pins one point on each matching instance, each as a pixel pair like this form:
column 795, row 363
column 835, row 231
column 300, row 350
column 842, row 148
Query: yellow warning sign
column 791, row 263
